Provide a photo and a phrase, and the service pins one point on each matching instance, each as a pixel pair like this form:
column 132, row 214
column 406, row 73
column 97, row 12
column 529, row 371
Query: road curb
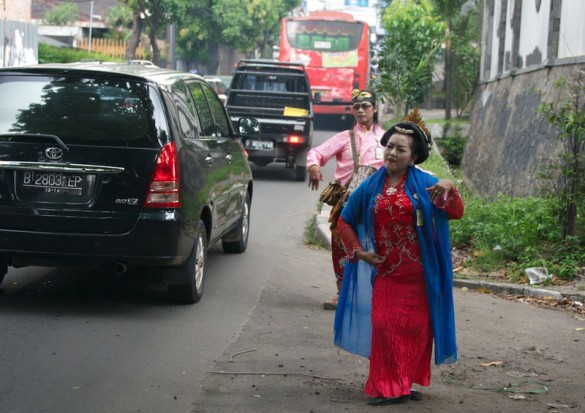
column 323, row 231
column 508, row 289
column 323, row 234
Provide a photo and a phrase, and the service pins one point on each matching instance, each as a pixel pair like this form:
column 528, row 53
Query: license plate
column 260, row 145
column 52, row 183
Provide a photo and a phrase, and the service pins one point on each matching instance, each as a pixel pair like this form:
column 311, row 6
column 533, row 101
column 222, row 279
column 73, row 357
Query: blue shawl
column 353, row 326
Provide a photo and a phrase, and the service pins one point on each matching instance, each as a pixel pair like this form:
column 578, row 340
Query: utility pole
column 171, row 46
column 4, row 39
column 90, row 24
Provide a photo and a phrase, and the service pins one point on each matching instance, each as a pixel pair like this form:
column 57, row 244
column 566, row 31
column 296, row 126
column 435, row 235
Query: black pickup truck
column 279, row 96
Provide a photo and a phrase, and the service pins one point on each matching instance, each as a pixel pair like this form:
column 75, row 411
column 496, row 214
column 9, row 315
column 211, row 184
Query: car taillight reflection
column 163, row 191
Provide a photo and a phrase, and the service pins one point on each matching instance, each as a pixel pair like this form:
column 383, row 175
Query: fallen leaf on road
column 492, row 363
column 521, row 374
column 484, row 291
column 517, row 397
column 579, row 329
column 556, row 406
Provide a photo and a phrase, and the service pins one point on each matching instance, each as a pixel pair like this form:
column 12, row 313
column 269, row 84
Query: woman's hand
column 441, row 189
column 370, row 257
column 315, row 176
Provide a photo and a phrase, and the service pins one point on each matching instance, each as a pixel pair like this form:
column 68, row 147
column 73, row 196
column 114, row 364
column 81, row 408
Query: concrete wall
column 20, row 43
column 526, row 46
column 18, row 10
column 509, row 143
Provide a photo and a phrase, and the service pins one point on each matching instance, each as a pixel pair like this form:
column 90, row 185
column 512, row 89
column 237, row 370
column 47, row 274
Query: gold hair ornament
column 359, row 94
column 415, row 117
column 405, row 131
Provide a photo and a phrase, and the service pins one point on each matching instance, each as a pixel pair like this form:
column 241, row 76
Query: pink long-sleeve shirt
column 339, row 146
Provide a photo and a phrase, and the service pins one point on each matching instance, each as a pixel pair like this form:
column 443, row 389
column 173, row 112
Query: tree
column 408, row 55
column 154, row 15
column 120, row 20
column 61, row 15
column 256, row 28
column 567, row 115
column 465, row 57
column 240, row 24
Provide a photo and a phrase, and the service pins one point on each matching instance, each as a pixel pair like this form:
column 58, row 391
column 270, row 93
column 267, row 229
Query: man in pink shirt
column 367, row 135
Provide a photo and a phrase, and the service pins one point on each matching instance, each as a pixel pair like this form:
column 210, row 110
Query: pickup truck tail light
column 295, row 139
column 163, row 191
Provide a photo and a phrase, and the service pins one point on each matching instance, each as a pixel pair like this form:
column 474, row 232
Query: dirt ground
column 514, row 356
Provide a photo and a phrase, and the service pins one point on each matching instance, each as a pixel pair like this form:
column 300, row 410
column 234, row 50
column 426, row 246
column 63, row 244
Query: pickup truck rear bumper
column 280, row 140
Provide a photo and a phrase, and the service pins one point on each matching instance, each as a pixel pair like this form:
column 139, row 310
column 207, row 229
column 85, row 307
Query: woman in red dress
column 395, row 232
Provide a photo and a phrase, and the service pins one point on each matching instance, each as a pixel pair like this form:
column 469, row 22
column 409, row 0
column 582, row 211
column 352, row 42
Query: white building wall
column 495, row 40
column 534, row 29
column 509, row 34
column 572, row 30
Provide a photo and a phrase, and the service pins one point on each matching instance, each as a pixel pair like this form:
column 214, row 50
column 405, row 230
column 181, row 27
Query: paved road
column 513, row 357
column 84, row 341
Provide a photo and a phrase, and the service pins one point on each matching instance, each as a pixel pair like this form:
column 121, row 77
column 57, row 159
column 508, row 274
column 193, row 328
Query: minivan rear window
column 82, row 110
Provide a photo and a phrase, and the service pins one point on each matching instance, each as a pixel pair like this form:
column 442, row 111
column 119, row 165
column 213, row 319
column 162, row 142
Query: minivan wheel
column 236, row 241
column 3, row 269
column 300, row 173
column 193, row 271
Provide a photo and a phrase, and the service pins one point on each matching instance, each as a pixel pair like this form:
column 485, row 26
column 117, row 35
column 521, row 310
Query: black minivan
column 119, row 165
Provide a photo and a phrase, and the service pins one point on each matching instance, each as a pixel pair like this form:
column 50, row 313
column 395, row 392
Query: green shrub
column 516, row 233
column 452, row 144
column 61, row 15
column 52, row 54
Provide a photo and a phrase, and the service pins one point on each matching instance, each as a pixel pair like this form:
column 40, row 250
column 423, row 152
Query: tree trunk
column 212, row 52
column 135, row 37
column 448, row 73
column 155, row 58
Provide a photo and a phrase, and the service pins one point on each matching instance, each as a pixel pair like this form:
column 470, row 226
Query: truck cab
column 278, row 95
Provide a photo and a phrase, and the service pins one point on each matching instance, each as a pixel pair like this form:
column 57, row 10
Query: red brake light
column 295, row 139
column 163, row 191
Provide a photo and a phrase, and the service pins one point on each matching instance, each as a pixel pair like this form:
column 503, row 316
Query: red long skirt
column 401, row 335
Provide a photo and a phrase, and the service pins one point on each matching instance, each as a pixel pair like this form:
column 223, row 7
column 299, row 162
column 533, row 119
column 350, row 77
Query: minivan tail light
column 164, row 191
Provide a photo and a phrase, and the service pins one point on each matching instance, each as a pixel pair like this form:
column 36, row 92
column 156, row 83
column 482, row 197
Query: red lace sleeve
column 453, row 206
column 349, row 239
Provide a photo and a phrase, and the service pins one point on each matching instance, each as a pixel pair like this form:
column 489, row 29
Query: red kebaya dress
column 401, row 329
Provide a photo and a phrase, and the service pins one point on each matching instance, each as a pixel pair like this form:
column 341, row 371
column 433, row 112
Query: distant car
column 141, row 62
column 122, row 165
column 219, row 87
column 227, row 80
